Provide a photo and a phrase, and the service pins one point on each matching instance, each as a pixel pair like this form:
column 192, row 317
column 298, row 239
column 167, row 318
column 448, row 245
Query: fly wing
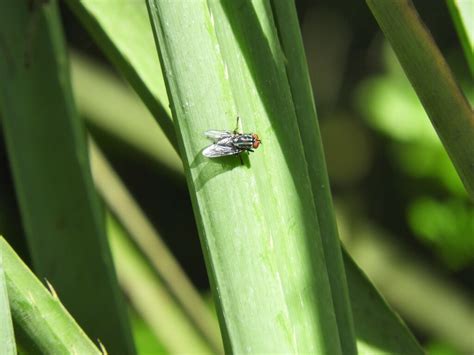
column 217, row 150
column 215, row 135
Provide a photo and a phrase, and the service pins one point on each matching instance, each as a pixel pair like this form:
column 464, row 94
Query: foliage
column 390, row 106
column 266, row 225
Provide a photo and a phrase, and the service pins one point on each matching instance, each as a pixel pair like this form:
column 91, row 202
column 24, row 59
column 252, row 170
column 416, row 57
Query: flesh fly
column 230, row 143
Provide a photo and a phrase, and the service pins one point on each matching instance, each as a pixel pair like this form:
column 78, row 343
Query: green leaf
column 302, row 94
column 42, row 324
column 462, row 12
column 257, row 222
column 428, row 72
column 47, row 151
column 7, row 338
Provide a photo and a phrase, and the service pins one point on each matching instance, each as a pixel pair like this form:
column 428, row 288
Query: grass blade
column 41, row 322
column 59, row 207
column 257, row 222
column 428, row 72
column 462, row 12
column 302, row 94
column 7, row 337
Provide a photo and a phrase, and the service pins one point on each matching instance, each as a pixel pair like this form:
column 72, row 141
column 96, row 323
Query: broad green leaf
column 257, row 221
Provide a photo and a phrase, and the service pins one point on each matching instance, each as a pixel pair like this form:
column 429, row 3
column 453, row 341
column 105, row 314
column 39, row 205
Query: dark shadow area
column 216, row 166
column 10, row 220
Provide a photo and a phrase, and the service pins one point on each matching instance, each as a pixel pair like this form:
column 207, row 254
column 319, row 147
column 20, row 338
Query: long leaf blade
column 46, row 145
column 298, row 77
column 428, row 72
column 258, row 224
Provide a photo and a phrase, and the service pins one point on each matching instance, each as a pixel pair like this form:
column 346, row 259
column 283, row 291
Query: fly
column 230, row 143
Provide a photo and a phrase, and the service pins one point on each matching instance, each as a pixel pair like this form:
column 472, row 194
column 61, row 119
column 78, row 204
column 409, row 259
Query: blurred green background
column 402, row 211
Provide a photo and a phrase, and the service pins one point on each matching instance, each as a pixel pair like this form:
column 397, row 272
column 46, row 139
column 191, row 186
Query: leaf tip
column 51, row 289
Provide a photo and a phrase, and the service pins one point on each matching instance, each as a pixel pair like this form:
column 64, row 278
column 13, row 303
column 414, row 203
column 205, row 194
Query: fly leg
column 236, row 130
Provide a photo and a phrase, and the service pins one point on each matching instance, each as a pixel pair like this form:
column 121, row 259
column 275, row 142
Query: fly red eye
column 256, row 141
